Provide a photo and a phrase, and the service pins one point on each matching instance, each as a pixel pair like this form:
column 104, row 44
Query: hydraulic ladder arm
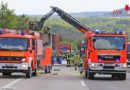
column 39, row 24
column 66, row 17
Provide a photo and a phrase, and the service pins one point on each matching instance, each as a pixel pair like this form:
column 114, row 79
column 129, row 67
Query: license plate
column 107, row 64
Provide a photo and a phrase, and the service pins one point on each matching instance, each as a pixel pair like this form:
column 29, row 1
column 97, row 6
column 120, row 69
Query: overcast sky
column 43, row 6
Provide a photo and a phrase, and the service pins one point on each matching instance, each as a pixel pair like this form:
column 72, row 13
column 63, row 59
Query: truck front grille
column 9, row 67
column 108, row 67
column 109, row 57
column 3, row 58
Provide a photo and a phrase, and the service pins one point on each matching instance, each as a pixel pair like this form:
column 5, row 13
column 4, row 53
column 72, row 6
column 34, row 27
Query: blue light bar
column 120, row 31
column 17, row 58
column 97, row 31
column 1, row 32
column 22, row 32
column 99, row 59
column 117, row 60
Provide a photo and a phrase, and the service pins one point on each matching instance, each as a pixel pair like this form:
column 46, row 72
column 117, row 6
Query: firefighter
column 68, row 59
column 77, row 60
column 72, row 59
column 81, row 65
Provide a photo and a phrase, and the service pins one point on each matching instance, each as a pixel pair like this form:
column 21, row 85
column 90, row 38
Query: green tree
column 23, row 22
column 8, row 19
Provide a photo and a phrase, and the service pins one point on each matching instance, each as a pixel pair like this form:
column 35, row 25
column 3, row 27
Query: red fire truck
column 128, row 54
column 22, row 51
column 64, row 49
column 105, row 52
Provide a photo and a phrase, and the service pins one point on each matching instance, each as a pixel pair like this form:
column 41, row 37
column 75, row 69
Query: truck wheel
column 114, row 76
column 90, row 75
column 34, row 73
column 122, row 76
column 3, row 73
column 29, row 73
column 49, row 70
column 46, row 71
column 6, row 74
column 86, row 74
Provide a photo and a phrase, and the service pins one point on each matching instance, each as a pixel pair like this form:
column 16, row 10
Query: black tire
column 90, row 75
column 49, row 70
column 3, row 73
column 122, row 76
column 46, row 71
column 6, row 73
column 29, row 73
column 34, row 73
column 114, row 76
column 86, row 74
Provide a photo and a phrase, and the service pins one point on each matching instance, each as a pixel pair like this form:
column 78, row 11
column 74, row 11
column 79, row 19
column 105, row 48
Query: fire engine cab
column 106, row 53
column 20, row 51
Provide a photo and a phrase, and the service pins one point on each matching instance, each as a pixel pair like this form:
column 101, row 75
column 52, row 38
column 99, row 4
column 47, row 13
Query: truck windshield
column 128, row 48
column 109, row 43
column 13, row 44
column 64, row 48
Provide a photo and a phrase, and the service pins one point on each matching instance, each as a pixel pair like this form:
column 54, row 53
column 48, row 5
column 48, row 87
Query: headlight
column 23, row 59
column 92, row 64
column 124, row 65
column 24, row 65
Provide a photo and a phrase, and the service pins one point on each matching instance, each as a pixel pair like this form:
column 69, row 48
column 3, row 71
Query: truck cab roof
column 19, row 34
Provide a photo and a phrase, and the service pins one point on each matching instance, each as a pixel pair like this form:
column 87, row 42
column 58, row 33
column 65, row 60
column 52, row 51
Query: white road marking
column 84, row 85
column 11, row 84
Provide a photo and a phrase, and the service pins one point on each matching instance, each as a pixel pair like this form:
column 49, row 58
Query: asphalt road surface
column 62, row 78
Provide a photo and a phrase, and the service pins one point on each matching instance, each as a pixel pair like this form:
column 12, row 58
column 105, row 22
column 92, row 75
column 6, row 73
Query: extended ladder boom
column 66, row 17
column 39, row 25
column 77, row 24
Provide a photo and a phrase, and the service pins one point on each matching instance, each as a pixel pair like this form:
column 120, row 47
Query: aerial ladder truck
column 104, row 51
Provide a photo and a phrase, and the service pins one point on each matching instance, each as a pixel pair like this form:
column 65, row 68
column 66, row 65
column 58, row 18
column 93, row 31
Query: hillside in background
column 86, row 14
column 92, row 14
column 62, row 28
column 101, row 14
